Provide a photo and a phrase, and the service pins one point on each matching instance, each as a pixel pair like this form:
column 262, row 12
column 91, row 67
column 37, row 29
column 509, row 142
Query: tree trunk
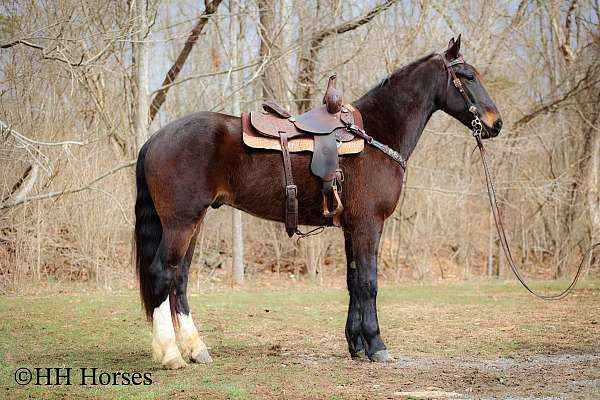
column 313, row 255
column 593, row 195
column 593, row 181
column 238, row 247
column 141, row 67
column 161, row 94
column 270, row 78
column 236, row 215
column 287, row 74
column 491, row 240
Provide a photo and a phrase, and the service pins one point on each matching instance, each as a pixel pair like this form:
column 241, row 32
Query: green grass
column 288, row 342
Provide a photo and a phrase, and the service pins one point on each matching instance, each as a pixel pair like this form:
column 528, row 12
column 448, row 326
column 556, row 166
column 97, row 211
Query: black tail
column 148, row 233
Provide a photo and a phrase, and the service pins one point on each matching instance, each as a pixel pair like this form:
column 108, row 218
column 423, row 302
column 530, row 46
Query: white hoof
column 175, row 363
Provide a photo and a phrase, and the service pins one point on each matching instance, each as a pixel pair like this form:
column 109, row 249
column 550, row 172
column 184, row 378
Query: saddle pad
column 295, row 145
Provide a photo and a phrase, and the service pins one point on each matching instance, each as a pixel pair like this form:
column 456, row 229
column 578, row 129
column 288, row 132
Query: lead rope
column 477, row 128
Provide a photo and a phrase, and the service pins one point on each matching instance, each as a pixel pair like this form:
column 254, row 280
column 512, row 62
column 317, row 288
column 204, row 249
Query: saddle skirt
column 318, row 131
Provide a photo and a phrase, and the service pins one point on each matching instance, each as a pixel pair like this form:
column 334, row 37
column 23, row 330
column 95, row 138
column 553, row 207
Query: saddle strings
column 313, row 232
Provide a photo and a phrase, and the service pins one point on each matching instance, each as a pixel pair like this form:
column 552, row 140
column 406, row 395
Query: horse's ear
column 453, row 48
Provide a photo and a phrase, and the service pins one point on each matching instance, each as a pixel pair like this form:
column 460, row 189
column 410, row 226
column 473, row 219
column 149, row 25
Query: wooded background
column 78, row 80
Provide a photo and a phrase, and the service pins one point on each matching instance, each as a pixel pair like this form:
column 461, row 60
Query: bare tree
column 271, row 78
column 309, row 58
column 142, row 64
column 236, row 215
column 69, row 119
column 161, row 93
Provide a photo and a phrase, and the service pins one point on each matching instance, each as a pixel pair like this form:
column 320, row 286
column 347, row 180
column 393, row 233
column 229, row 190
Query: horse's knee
column 368, row 288
column 367, row 278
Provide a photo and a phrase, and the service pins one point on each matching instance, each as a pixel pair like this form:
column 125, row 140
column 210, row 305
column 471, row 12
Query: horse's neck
column 396, row 113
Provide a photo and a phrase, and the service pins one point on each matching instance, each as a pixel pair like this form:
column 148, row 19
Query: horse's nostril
column 498, row 124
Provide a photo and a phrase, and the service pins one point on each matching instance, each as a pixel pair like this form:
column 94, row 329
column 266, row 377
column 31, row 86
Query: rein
column 477, row 129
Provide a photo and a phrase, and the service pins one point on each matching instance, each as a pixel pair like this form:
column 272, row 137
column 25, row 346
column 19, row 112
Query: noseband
column 476, row 125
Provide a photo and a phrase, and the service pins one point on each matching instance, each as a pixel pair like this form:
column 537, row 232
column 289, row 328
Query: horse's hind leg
column 171, row 251
column 187, row 335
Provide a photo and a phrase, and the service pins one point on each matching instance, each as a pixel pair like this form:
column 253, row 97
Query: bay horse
column 199, row 161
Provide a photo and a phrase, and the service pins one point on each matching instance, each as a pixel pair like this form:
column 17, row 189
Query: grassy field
column 488, row 340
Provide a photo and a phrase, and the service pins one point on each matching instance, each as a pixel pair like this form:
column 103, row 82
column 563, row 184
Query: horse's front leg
column 353, row 322
column 365, row 244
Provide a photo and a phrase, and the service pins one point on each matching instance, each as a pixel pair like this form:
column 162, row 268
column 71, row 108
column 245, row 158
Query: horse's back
column 199, row 126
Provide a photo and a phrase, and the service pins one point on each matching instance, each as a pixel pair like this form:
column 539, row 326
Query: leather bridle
column 477, row 129
column 476, row 125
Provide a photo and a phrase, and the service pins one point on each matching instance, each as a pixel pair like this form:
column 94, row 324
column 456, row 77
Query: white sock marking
column 163, row 342
column 189, row 339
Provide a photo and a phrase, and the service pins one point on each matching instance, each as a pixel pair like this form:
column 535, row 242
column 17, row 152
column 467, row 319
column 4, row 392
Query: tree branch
column 553, row 105
column 352, row 24
column 30, row 174
column 209, row 75
column 307, row 70
column 68, row 191
column 44, row 53
column 23, row 42
column 161, row 95
column 565, row 48
column 19, row 136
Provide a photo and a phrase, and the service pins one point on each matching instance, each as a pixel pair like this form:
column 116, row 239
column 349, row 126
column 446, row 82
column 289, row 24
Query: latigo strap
column 291, row 190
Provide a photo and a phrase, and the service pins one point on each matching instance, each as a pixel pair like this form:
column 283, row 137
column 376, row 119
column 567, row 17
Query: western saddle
column 324, row 130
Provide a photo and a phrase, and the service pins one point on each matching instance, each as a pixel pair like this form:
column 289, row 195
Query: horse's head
column 464, row 96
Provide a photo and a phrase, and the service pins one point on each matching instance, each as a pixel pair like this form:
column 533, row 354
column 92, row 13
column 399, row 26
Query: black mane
column 396, row 110
column 403, row 70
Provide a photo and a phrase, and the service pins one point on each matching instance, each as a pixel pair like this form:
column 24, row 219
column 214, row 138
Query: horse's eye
column 467, row 75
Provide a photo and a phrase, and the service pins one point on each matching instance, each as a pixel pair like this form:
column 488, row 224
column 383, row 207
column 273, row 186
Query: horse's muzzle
column 493, row 131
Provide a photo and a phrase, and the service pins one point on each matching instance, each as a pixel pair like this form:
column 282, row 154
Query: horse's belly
column 257, row 186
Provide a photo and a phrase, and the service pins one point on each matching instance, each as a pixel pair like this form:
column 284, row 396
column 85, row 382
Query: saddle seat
column 315, row 122
column 317, row 130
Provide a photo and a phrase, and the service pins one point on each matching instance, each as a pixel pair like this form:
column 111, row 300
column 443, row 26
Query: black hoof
column 382, row 356
column 359, row 356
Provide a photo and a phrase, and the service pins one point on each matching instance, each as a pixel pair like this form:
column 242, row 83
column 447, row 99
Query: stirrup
column 336, row 201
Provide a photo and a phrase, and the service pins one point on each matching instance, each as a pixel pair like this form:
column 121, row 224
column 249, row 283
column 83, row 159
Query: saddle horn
column 333, row 97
